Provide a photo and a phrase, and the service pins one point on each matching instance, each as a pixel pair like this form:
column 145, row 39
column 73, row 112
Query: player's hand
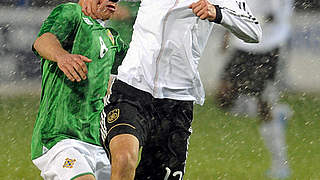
column 90, row 8
column 73, row 66
column 204, row 10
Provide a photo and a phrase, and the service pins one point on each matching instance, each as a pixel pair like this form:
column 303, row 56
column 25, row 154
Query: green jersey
column 71, row 110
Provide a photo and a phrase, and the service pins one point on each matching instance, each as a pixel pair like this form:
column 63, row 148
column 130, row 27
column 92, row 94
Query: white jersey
column 168, row 40
column 274, row 18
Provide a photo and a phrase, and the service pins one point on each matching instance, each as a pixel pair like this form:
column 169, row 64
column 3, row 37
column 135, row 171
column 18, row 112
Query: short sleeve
column 122, row 49
column 62, row 21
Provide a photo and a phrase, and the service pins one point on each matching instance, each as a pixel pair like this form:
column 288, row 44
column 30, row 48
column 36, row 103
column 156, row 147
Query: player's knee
column 264, row 110
column 124, row 160
column 124, row 151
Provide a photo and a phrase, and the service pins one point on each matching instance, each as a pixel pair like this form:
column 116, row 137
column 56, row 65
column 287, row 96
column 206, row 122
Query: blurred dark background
column 34, row 3
column 21, row 20
column 299, row 4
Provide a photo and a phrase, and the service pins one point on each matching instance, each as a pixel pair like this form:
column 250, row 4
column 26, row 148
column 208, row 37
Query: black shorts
column 248, row 73
column 162, row 126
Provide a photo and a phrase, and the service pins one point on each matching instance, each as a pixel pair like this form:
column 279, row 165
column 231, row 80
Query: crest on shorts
column 69, row 163
column 113, row 115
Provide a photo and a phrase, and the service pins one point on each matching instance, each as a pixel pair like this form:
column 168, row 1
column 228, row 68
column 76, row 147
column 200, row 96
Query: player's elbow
column 36, row 44
column 40, row 42
column 255, row 36
column 258, row 36
column 255, row 39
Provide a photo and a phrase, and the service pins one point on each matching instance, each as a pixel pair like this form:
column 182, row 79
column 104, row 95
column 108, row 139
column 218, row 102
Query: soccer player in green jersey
column 78, row 54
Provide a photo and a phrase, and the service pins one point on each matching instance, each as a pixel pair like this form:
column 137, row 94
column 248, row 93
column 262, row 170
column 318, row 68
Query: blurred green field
column 221, row 146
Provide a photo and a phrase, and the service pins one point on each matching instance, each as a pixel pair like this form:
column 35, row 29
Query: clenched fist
column 204, row 10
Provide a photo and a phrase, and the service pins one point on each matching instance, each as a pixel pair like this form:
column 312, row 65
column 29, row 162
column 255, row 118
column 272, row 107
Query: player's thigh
column 71, row 163
column 85, row 177
column 249, row 71
column 164, row 155
column 124, row 114
column 263, row 71
column 179, row 133
column 235, row 75
column 103, row 166
column 64, row 161
column 124, row 149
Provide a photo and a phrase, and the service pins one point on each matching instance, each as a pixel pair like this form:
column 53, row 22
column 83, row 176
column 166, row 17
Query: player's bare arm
column 72, row 65
column 204, row 10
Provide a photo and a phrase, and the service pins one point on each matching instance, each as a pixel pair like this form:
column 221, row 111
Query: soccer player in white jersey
column 150, row 109
column 248, row 82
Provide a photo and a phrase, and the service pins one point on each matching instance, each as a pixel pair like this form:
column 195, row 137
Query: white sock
column 273, row 133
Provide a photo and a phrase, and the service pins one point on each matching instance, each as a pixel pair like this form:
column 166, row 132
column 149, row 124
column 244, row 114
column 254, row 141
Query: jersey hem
column 38, row 155
column 144, row 88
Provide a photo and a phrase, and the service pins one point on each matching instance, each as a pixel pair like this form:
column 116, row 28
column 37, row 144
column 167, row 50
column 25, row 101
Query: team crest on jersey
column 110, row 36
column 87, row 20
column 69, row 163
column 113, row 115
